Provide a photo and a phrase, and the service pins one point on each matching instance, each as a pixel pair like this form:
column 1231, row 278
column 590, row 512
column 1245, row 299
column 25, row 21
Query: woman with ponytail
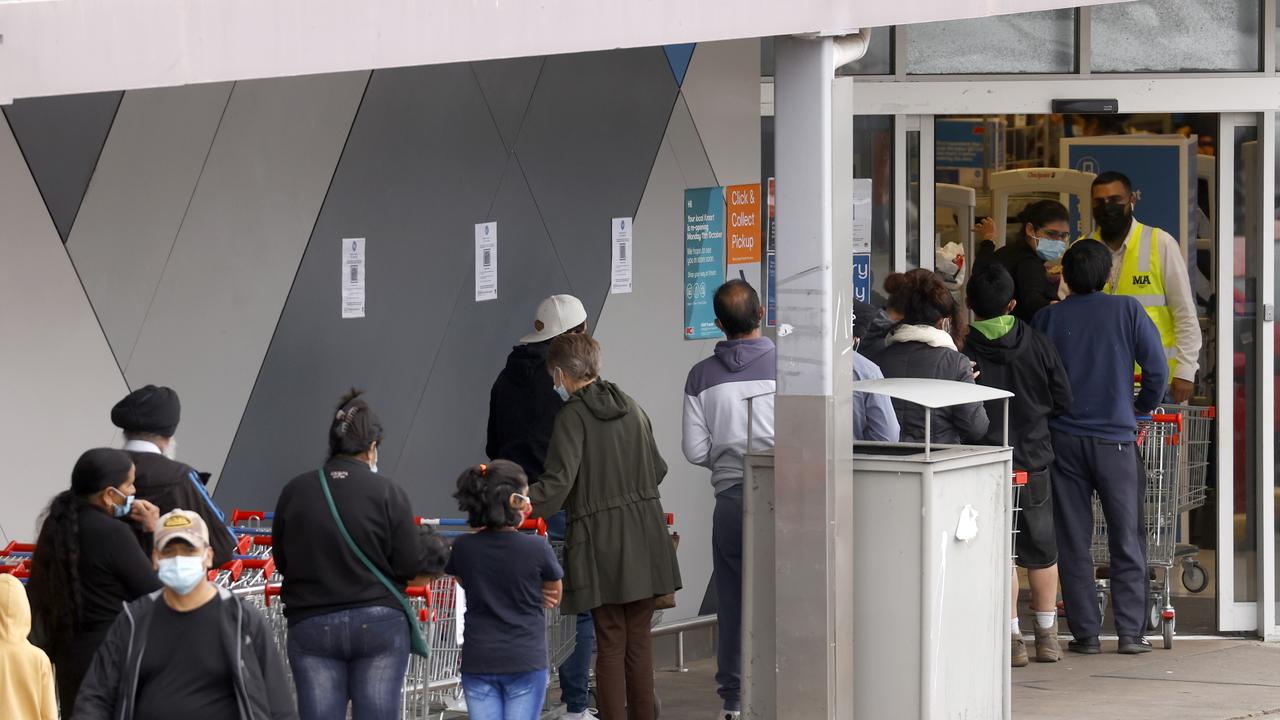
column 88, row 564
column 924, row 344
column 348, row 635
column 509, row 578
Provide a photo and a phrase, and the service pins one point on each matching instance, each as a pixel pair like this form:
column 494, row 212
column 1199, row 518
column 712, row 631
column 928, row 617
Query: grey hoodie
column 715, row 407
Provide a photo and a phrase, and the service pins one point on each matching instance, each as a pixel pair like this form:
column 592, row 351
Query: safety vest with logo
column 1141, row 277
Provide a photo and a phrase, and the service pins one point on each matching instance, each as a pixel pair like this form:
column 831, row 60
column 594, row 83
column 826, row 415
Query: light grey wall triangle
column 61, row 138
column 238, row 250
column 60, row 378
column 442, row 442
column 416, row 176
column 686, row 148
column 507, row 86
column 587, row 145
column 137, row 199
column 719, row 96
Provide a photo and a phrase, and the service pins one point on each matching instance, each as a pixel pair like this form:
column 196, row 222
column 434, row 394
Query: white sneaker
column 584, row 715
column 729, row 715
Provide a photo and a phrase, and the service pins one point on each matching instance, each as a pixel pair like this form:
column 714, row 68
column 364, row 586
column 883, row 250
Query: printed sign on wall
column 704, row 257
column 742, row 208
column 486, row 261
column 353, row 278
column 862, row 278
column 620, row 273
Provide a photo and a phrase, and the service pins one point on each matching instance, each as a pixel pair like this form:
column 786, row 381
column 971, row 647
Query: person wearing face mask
column 509, row 578
column 87, row 564
column 522, row 411
column 1148, row 264
column 604, row 466
column 1043, row 241
column 191, row 649
column 924, row 344
column 149, row 418
column 349, row 638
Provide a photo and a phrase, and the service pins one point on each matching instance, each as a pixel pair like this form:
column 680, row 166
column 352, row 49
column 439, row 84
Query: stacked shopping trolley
column 1173, row 446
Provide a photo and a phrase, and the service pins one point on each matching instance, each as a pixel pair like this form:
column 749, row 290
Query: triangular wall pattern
column 678, row 58
column 507, row 86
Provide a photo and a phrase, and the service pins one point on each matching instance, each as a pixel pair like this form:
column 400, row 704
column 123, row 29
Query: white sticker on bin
column 967, row 527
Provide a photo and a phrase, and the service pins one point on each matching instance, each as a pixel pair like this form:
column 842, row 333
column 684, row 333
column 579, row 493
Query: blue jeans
column 359, row 655
column 510, row 696
column 575, row 672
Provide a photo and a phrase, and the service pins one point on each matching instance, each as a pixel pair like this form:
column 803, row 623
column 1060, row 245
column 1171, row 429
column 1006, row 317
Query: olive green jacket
column 603, row 467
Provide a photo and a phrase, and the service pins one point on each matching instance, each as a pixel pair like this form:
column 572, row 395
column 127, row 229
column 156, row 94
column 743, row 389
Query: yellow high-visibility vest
column 1142, row 278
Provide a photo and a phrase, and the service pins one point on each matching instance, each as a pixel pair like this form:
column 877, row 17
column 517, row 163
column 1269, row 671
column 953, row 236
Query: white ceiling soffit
column 56, row 47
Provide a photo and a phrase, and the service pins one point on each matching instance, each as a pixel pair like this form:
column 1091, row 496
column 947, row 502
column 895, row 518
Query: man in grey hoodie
column 715, row 436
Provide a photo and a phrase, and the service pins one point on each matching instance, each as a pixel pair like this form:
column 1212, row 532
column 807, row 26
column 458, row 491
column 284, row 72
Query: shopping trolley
column 1158, row 446
column 1019, row 484
column 1195, row 438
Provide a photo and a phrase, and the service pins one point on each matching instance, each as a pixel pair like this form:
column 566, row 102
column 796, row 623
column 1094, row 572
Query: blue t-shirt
column 502, row 573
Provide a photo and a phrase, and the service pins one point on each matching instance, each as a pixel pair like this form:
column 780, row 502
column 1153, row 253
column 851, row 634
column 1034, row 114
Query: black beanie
column 151, row 409
column 98, row 469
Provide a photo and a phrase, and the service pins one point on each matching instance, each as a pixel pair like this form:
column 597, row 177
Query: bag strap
column 418, row 644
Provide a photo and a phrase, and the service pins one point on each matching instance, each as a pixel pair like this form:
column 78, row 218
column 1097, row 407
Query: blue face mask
column 122, row 510
column 183, row 573
column 1050, row 250
column 561, row 390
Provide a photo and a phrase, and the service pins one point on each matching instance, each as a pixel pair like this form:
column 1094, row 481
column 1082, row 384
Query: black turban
column 151, row 409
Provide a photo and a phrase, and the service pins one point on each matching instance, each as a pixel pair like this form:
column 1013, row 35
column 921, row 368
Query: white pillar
column 813, row 415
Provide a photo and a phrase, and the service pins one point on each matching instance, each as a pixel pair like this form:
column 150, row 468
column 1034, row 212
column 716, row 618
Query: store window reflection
column 1245, row 362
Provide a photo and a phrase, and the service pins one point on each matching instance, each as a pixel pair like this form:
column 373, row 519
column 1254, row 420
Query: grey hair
column 576, row 354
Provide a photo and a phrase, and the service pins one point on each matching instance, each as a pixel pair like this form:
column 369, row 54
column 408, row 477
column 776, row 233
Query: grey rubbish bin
column 931, row 558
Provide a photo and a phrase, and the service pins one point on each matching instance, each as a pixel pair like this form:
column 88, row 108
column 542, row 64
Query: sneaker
column 1085, row 646
column 1018, row 652
column 584, row 715
column 1047, row 647
column 1133, row 645
column 729, row 715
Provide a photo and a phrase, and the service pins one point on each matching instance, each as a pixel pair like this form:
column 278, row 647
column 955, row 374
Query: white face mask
column 373, row 465
column 182, row 573
column 560, row 389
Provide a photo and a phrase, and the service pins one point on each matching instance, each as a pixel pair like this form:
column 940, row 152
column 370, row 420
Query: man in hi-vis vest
column 1148, row 264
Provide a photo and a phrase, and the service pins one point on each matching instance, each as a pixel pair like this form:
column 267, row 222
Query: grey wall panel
column 416, row 176
column 721, row 97
column 508, row 86
column 448, row 433
column 238, row 250
column 60, row 377
column 61, row 138
column 587, row 146
column 137, row 199
column 687, row 151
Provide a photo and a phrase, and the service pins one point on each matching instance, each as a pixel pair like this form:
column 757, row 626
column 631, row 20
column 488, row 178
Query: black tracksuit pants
column 1084, row 465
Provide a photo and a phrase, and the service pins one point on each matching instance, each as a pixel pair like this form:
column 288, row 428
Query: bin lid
column 931, row 393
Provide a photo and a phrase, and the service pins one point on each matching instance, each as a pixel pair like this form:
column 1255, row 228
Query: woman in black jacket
column 923, row 344
column 1045, row 232
column 88, row 564
column 348, row 635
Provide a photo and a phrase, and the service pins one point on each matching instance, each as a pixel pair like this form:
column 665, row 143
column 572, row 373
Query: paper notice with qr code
column 353, row 278
column 621, row 272
column 486, row 261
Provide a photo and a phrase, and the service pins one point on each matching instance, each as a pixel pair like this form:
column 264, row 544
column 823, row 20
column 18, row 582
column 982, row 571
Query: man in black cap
column 149, row 418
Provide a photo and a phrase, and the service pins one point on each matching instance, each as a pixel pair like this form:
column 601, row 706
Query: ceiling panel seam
column 195, row 187
column 297, row 269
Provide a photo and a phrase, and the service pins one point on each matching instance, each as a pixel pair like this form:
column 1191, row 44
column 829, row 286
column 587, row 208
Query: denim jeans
column 359, row 655
column 575, row 672
column 510, row 696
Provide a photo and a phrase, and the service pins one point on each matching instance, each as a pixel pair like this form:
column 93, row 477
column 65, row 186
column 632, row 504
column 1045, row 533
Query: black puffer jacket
column 522, row 410
column 909, row 358
column 1025, row 363
column 262, row 688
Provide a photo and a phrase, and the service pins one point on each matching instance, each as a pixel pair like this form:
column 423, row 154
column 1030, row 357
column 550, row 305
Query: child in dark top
column 1011, row 356
column 509, row 579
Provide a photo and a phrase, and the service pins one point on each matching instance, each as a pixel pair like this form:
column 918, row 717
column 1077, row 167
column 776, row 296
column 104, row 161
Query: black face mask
column 1112, row 217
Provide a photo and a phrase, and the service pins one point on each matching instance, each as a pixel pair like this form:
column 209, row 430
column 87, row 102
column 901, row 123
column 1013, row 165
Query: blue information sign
column 862, row 278
column 703, row 260
column 771, row 310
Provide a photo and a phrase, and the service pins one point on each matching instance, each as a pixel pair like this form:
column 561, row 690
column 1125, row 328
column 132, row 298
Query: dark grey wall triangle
column 507, row 86
column 589, row 140
column 61, row 138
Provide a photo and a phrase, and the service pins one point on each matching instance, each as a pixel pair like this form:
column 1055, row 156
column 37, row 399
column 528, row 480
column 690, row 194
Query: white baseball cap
column 556, row 315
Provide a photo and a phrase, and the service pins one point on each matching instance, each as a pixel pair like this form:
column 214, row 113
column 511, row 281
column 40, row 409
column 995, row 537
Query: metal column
column 813, row 411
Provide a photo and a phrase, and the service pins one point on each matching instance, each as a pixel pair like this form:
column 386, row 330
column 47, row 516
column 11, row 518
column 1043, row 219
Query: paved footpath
column 1219, row 679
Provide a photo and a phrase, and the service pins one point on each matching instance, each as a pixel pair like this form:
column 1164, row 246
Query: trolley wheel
column 1194, row 577
column 1166, row 628
column 1154, row 606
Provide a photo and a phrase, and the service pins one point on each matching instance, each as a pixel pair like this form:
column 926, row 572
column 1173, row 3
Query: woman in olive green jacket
column 603, row 466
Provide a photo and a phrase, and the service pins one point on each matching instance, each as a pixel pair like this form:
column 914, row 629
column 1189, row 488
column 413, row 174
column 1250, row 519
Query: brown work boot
column 1047, row 647
column 1018, row 656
